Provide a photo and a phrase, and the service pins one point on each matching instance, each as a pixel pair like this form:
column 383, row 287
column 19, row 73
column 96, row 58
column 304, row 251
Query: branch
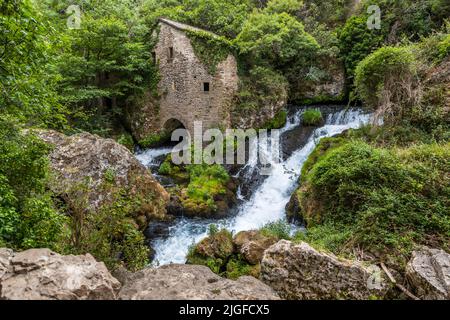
column 402, row 288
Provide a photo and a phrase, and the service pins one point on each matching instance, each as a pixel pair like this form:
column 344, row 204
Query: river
column 267, row 202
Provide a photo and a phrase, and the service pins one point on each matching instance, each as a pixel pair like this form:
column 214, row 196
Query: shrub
column 126, row 140
column 110, row 234
column 28, row 216
column 312, row 118
column 356, row 41
column 155, row 140
column 278, row 122
column 281, row 230
column 378, row 199
column 385, row 81
column 237, row 267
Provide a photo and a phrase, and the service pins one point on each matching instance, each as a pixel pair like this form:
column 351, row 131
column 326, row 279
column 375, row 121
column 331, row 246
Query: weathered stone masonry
column 187, row 91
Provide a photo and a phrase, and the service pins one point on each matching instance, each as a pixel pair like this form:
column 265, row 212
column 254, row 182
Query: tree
column 277, row 40
column 27, row 81
column 105, row 64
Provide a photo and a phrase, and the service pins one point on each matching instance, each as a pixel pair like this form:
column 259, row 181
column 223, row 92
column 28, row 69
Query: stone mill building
column 187, row 91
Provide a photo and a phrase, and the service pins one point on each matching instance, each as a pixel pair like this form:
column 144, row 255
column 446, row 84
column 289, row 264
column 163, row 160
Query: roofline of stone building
column 184, row 27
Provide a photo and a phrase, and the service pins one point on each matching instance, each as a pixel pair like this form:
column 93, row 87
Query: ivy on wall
column 209, row 48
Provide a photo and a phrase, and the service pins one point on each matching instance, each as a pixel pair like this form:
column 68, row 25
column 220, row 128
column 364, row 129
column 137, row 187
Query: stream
column 267, row 199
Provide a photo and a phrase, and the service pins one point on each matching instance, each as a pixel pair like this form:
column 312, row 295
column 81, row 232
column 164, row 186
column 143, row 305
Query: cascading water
column 268, row 202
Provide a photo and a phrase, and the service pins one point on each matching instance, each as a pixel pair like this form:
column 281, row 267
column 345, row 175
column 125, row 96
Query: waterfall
column 267, row 203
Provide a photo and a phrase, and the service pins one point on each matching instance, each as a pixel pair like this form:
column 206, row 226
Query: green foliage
column 213, row 230
column 28, row 217
column 104, row 65
column 374, row 72
column 111, row 235
column 210, row 49
column 126, row 140
column 444, row 47
column 238, row 267
column 379, row 199
column 261, row 87
column 27, row 81
column 278, row 122
column 312, row 118
column 280, row 230
column 276, row 40
column 356, row 41
column 155, row 140
column 287, row 6
column 213, row 251
column 222, row 17
column 206, row 183
column 328, row 236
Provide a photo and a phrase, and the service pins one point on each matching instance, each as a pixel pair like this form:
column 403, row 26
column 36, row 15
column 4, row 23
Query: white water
column 268, row 201
column 148, row 157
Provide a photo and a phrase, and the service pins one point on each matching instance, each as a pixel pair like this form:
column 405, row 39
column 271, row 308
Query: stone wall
column 182, row 80
column 181, row 87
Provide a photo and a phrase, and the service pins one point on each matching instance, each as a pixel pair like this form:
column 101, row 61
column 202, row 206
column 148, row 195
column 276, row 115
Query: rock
column 297, row 272
column 428, row 271
column 83, row 162
column 217, row 246
column 5, row 263
column 252, row 244
column 188, row 282
column 329, row 88
column 293, row 208
column 40, row 274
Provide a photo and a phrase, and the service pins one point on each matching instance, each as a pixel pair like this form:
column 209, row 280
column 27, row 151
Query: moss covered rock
column 202, row 191
column 82, row 164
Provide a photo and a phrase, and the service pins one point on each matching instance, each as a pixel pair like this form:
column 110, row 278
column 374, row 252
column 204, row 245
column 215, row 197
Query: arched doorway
column 172, row 124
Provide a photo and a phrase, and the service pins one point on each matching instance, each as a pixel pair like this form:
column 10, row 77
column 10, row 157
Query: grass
column 278, row 122
column 312, row 118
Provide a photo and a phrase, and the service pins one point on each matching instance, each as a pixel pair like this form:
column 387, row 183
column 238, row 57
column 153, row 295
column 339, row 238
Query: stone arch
column 172, row 124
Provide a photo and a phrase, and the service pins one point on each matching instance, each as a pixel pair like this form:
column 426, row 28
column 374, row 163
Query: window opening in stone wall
column 206, row 86
column 171, row 53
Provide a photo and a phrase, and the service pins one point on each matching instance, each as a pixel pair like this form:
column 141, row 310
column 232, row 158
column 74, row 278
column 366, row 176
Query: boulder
column 216, row 246
column 40, row 274
column 252, row 244
column 428, row 272
column 188, row 282
column 327, row 88
column 297, row 272
column 83, row 162
column 5, row 263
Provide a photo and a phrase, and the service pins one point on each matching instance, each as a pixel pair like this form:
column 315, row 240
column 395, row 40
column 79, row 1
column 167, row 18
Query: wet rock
column 428, row 271
column 40, row 274
column 157, row 230
column 188, row 282
column 297, row 272
column 83, row 162
column 175, row 207
column 252, row 244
